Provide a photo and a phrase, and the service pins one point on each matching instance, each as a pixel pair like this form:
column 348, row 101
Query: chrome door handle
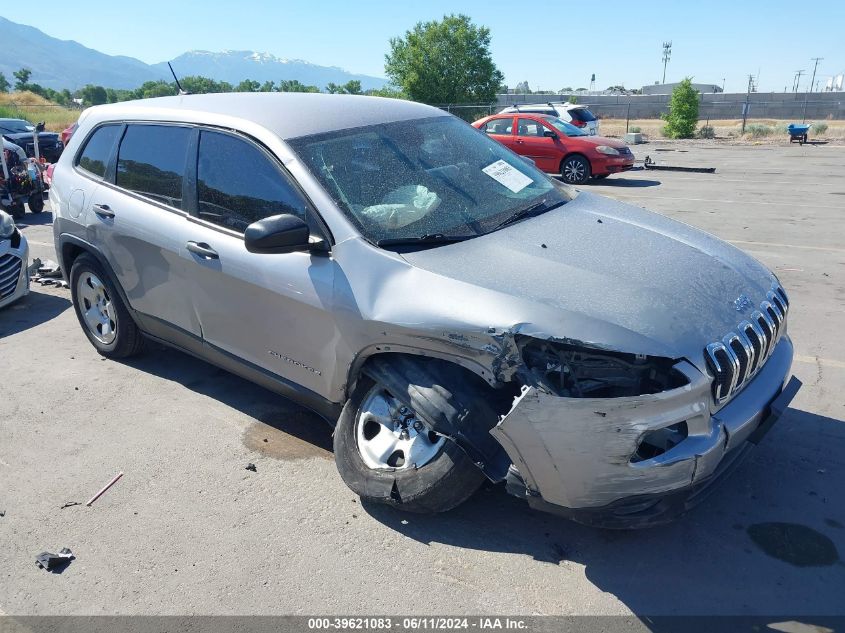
column 103, row 211
column 202, row 249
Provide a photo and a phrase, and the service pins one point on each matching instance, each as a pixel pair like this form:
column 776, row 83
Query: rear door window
column 95, row 156
column 151, row 162
column 238, row 183
column 501, row 127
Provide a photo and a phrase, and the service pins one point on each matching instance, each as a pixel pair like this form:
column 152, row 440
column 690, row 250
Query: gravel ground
column 188, row 530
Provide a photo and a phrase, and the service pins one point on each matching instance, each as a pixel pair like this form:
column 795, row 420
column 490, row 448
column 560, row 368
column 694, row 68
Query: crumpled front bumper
column 574, row 456
column 14, row 281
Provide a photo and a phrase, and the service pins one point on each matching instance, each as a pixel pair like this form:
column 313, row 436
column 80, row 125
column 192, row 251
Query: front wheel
column 575, row 170
column 386, row 454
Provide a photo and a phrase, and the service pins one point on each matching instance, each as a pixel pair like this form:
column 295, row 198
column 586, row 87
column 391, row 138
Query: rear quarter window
column 95, row 156
column 580, row 114
column 151, row 162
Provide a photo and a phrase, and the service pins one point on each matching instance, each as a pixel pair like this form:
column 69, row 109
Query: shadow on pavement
column 625, row 182
column 34, row 309
column 35, row 219
column 713, row 561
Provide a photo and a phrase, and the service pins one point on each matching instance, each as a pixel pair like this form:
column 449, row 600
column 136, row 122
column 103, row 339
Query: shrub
column 759, row 130
column 683, row 111
column 819, row 128
column 635, row 129
column 706, row 131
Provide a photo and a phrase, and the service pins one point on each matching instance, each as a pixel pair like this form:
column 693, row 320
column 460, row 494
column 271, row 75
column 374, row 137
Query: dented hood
column 611, row 275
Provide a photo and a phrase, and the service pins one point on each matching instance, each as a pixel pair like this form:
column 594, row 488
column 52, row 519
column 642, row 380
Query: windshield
column 424, row 178
column 15, row 126
column 567, row 128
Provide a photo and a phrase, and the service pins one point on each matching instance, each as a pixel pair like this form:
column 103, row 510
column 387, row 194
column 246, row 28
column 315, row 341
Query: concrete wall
column 763, row 105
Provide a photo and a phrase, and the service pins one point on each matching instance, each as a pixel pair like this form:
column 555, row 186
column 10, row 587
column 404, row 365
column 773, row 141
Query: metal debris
column 55, row 562
column 70, row 504
column 251, row 467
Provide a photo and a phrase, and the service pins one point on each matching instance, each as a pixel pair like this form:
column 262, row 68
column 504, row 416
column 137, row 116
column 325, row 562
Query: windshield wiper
column 428, row 238
column 527, row 212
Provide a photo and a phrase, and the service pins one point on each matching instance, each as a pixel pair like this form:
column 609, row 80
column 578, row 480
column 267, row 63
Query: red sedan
column 558, row 147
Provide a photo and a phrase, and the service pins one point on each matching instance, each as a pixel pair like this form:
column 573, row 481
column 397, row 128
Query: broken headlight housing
column 7, row 225
column 575, row 371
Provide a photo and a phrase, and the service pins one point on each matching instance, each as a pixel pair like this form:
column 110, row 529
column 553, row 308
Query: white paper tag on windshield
column 505, row 174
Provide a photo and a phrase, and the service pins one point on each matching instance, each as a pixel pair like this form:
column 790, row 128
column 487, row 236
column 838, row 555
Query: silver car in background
column 14, row 256
column 454, row 313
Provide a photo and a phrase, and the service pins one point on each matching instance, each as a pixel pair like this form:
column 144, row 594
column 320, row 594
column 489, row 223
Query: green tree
column 268, row 86
column 4, row 83
column 523, row 88
column 248, row 85
column 294, row 85
column 22, row 78
column 683, row 111
column 94, row 95
column 203, row 85
column 333, row 89
column 352, row 87
column 446, row 61
column 392, row 92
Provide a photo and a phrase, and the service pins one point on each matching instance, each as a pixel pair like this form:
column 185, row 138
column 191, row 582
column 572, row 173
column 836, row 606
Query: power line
column 810, row 87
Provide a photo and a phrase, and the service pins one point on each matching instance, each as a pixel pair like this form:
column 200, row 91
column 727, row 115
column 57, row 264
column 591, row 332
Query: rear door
column 271, row 310
column 501, row 129
column 531, row 141
column 136, row 217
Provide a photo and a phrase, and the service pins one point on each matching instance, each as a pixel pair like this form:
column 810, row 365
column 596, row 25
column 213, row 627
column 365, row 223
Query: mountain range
column 68, row 64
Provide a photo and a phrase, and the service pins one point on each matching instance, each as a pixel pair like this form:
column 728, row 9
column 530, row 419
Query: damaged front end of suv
column 622, row 440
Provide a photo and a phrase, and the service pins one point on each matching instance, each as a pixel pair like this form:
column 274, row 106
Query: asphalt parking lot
column 189, row 531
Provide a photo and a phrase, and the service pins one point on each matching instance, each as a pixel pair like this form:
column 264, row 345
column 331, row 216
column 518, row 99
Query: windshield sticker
column 507, row 175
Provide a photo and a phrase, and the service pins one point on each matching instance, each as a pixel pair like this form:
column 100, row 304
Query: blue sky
column 551, row 45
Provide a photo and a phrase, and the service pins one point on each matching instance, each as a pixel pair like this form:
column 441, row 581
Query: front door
column 271, row 310
column 531, row 142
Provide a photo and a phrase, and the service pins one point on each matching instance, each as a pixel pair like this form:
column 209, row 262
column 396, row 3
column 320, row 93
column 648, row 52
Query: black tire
column 36, row 202
column 128, row 339
column 575, row 169
column 444, row 482
column 17, row 210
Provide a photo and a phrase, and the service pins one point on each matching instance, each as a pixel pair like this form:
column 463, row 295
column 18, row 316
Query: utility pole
column 667, row 53
column 745, row 105
column 798, row 74
column 810, row 87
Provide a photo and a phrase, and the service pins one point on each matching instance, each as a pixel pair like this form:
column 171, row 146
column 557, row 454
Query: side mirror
column 549, row 134
column 40, row 127
column 277, row 234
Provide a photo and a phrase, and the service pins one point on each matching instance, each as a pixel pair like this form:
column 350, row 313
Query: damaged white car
column 452, row 311
column 14, row 254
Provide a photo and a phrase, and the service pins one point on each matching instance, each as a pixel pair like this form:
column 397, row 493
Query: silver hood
column 611, row 275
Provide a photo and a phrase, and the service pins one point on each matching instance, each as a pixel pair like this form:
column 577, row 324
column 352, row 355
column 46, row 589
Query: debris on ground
column 2, row 513
column 70, row 504
column 104, row 488
column 33, row 267
column 55, row 562
column 47, row 273
column 252, row 468
column 650, row 164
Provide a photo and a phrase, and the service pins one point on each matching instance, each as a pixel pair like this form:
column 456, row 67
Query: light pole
column 667, row 53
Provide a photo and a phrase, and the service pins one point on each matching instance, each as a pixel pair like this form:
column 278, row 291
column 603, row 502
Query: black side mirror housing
column 40, row 126
column 277, row 234
column 549, row 134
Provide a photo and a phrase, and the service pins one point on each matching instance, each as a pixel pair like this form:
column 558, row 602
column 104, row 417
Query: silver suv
column 454, row 313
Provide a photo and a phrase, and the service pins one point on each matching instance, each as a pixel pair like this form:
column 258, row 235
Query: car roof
column 287, row 114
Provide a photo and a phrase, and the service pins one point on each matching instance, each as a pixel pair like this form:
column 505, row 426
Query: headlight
column 7, row 225
column 606, row 149
column 581, row 372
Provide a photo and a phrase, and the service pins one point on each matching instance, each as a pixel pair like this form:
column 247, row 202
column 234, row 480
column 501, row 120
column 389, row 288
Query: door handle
column 520, row 142
column 103, row 211
column 202, row 249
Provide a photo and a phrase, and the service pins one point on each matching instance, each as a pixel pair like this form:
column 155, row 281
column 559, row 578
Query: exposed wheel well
column 70, row 252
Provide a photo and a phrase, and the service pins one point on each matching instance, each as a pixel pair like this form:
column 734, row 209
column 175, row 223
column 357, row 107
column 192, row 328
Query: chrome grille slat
column 740, row 354
column 10, row 271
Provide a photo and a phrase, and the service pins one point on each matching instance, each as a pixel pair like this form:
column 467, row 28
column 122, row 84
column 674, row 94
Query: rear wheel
column 101, row 313
column 575, row 170
column 36, row 202
column 387, row 454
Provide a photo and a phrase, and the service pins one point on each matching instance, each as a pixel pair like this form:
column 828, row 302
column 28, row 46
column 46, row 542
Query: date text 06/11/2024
column 431, row 623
